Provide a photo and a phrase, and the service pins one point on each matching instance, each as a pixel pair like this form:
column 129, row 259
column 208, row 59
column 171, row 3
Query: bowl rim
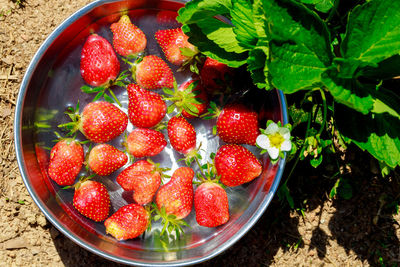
column 54, row 221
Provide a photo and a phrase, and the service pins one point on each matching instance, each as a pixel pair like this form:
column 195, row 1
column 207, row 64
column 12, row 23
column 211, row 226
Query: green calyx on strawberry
column 99, row 68
column 104, row 159
column 190, row 99
column 100, row 121
column 128, row 222
column 101, row 91
column 236, row 123
column 66, row 160
column 236, row 165
column 128, row 39
column 151, row 72
column 169, row 222
column 146, row 108
column 91, row 199
column 177, row 49
column 144, row 178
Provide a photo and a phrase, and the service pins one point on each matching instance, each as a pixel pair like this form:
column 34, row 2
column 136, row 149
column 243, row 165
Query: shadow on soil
column 355, row 225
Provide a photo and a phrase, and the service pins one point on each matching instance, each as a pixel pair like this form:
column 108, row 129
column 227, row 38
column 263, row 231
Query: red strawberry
column 128, row 39
column 146, row 108
column 104, row 159
column 66, row 160
column 99, row 64
column 91, row 199
column 128, row 222
column 182, row 135
column 236, row 165
column 211, row 72
column 168, row 18
column 144, row 178
column 175, row 46
column 100, row 121
column 176, row 196
column 200, row 97
column 153, row 73
column 143, row 142
column 211, row 205
column 238, row 124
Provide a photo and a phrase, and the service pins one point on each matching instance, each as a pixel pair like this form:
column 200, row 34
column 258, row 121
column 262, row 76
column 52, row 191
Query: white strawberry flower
column 274, row 140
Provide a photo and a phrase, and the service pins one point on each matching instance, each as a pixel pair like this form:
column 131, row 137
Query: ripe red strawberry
column 176, row 196
column 105, row 159
column 175, row 46
column 167, row 18
column 144, row 178
column 236, row 165
column 212, row 75
column 238, row 124
column 100, row 121
column 91, row 199
column 99, row 63
column 66, row 160
column 146, row 108
column 128, row 39
column 182, row 135
column 153, row 73
column 143, row 142
column 211, row 205
column 128, row 222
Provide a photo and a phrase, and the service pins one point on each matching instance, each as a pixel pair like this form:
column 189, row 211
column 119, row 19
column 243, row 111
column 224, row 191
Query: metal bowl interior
column 52, row 83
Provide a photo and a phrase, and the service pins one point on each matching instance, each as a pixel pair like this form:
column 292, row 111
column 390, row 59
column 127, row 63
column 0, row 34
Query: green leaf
column 379, row 134
column 349, row 91
column 108, row 98
column 315, row 162
column 260, row 22
column 290, row 21
column 294, row 67
column 221, row 34
column 242, row 18
column 373, row 32
column 199, row 9
column 325, row 5
column 211, row 49
column 257, row 66
column 386, row 69
column 300, row 49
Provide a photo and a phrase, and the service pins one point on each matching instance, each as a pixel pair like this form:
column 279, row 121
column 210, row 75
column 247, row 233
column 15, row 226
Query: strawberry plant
column 333, row 59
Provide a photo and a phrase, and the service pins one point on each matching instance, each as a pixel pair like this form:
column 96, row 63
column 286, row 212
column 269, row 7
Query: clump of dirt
column 355, row 232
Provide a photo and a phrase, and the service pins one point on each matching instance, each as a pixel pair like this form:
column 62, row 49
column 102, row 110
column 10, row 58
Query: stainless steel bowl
column 51, row 83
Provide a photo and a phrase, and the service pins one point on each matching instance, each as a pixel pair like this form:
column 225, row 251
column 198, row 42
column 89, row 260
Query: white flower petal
column 272, row 128
column 284, row 132
column 263, row 141
column 286, row 145
column 273, row 152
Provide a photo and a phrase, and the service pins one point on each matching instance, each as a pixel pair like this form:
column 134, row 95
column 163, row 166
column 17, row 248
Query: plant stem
column 201, row 170
column 325, row 111
column 302, row 147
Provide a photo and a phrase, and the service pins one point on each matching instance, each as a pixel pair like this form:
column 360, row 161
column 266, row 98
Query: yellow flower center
column 276, row 140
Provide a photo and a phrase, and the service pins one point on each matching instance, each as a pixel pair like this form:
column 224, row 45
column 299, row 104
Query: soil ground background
column 361, row 231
